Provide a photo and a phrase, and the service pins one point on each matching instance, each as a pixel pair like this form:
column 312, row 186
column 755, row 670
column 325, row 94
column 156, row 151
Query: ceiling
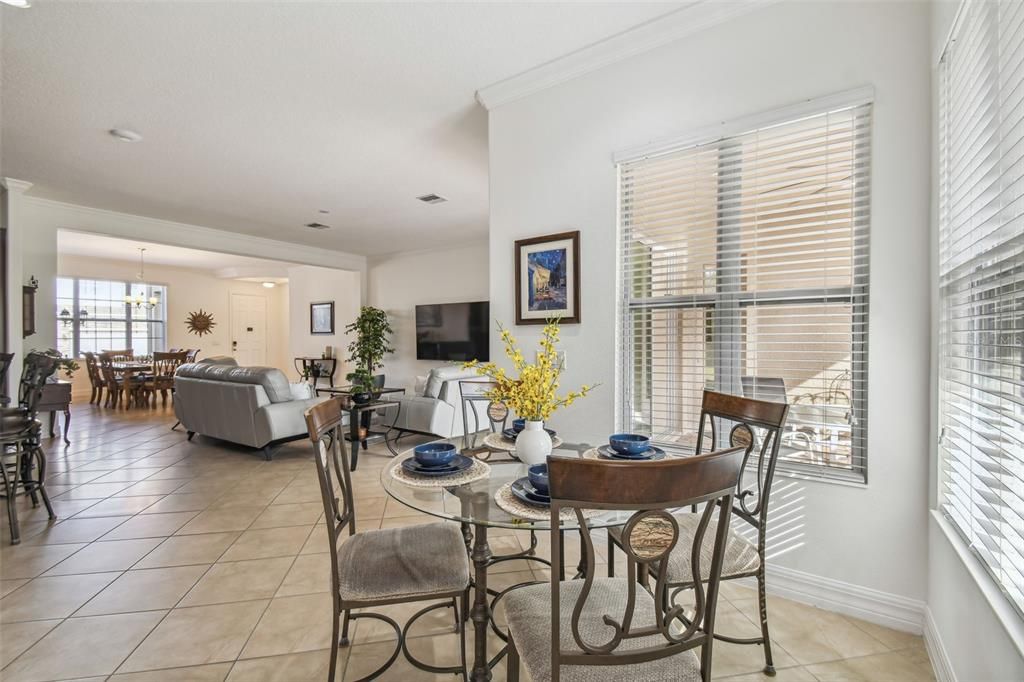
column 256, row 116
column 219, row 264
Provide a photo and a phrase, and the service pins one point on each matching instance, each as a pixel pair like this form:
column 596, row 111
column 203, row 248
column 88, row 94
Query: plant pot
column 362, row 398
column 533, row 444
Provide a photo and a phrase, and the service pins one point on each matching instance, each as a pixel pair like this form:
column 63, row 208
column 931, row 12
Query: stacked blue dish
column 630, row 446
column 436, row 459
column 533, row 488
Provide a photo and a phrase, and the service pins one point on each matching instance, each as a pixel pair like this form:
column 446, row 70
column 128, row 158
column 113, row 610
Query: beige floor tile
column 784, row 675
column 239, row 581
column 155, row 487
column 221, row 520
column 8, row 586
column 301, row 514
column 18, row 637
column 309, row 666
column 83, row 647
column 126, row 475
column 180, row 502
column 117, row 555
column 94, row 491
column 318, row 542
column 906, row 665
column 264, row 543
column 310, row 574
column 119, row 506
column 55, row 597
column 76, row 530
column 214, row 672
column 893, row 639
column 441, row 650
column 181, row 550
column 291, row 625
column 144, row 590
column 735, row 659
column 22, row 561
column 197, row 635
column 150, row 526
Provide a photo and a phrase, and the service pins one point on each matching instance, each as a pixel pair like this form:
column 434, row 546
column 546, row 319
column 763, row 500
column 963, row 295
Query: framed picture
column 548, row 278
column 321, row 318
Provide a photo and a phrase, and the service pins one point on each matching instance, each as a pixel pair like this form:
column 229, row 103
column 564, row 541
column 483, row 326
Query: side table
column 57, row 398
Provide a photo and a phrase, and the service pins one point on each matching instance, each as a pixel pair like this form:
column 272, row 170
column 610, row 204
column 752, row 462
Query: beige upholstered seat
column 741, row 557
column 528, row 611
column 410, row 562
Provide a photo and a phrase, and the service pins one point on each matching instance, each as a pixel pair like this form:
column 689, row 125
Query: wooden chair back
column 165, row 364
column 735, row 421
column 92, row 368
column 107, row 371
column 324, row 424
column 653, row 489
column 120, row 355
column 191, row 354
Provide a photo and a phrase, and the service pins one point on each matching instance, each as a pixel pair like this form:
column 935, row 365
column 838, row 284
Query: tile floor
column 200, row 561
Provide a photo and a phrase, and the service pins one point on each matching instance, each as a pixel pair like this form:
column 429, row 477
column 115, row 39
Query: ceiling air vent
column 432, row 199
column 317, row 226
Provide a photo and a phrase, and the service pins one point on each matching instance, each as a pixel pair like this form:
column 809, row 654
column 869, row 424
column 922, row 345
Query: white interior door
column 249, row 330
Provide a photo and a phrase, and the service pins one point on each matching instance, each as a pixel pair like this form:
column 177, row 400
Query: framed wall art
column 548, row 278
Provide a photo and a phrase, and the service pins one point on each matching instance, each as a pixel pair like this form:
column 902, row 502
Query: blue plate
column 459, row 463
column 524, row 490
column 651, row 453
column 512, row 433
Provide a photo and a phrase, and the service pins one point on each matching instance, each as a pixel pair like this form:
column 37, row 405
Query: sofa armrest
column 425, row 415
column 284, row 420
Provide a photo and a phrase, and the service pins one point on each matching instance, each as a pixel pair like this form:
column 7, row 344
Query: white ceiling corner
column 696, row 16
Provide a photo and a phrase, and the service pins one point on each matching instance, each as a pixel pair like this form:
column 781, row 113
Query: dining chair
column 381, row 567
column 191, row 354
column 20, row 436
column 126, row 355
column 754, row 425
column 96, row 382
column 162, row 376
column 121, row 386
column 578, row 629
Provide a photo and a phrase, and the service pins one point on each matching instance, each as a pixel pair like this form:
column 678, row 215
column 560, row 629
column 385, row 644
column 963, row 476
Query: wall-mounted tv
column 453, row 331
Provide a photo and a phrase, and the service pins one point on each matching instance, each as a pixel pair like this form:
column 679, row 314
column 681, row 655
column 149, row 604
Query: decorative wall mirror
column 28, row 308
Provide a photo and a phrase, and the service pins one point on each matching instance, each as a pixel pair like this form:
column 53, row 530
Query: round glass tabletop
column 474, row 502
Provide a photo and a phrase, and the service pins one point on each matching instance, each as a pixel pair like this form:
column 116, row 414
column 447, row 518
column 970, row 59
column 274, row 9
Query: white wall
column 969, row 622
column 552, row 171
column 189, row 290
column 399, row 282
column 309, row 284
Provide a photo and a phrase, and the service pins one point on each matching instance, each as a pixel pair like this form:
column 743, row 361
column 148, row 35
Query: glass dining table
column 473, row 505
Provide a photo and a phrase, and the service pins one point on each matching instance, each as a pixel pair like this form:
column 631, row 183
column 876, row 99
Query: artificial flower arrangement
column 533, row 394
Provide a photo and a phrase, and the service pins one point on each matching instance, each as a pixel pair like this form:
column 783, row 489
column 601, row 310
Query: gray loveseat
column 254, row 406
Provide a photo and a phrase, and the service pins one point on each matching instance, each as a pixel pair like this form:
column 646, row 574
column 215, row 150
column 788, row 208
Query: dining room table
column 479, row 501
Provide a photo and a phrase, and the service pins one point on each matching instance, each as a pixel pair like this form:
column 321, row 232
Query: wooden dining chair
column 96, row 382
column 191, row 354
column 162, row 376
column 578, row 629
column 122, row 388
column 756, row 426
column 380, row 567
column 125, row 355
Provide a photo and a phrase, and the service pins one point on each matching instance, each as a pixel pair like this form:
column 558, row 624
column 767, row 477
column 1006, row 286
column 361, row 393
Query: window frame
column 720, row 345
column 76, row 319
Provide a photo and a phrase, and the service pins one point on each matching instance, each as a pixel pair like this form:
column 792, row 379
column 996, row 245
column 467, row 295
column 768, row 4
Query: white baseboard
column 936, row 650
column 883, row 608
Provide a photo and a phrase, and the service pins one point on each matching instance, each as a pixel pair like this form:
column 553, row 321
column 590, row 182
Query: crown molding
column 14, row 185
column 87, row 219
column 697, row 16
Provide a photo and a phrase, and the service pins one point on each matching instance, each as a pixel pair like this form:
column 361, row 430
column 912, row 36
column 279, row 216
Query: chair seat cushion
column 408, row 562
column 528, row 612
column 741, row 557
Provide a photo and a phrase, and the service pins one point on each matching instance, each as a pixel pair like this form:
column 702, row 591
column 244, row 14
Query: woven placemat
column 592, row 453
column 474, row 473
column 496, row 441
column 516, row 507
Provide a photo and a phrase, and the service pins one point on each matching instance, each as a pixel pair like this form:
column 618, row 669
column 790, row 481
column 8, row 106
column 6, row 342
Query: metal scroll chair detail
column 571, row 627
column 381, row 567
column 20, row 450
column 754, row 425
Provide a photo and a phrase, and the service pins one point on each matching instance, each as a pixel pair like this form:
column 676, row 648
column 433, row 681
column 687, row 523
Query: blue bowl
column 434, row 454
column 518, row 425
column 539, row 478
column 629, row 443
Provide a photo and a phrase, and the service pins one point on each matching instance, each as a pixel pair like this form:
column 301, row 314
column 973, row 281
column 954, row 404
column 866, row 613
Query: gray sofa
column 254, row 406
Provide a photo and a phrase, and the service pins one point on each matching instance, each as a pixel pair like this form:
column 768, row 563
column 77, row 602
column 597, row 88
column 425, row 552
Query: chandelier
column 139, row 300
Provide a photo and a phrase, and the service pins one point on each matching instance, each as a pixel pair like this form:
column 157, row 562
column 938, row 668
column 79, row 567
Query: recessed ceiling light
column 124, row 135
column 22, row 4
column 432, row 199
column 323, row 211
column 269, row 285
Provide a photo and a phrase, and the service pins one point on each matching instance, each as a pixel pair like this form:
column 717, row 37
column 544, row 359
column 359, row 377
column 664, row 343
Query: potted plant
column 366, row 351
column 66, row 365
column 533, row 394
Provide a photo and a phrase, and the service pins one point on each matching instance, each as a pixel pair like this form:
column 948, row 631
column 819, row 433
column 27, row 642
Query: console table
column 317, row 368
column 57, row 398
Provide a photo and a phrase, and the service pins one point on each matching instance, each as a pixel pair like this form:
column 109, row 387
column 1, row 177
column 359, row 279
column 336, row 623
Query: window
column 981, row 287
column 93, row 316
column 745, row 270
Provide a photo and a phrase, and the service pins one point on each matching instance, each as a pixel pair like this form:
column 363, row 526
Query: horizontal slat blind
column 744, row 267
column 981, row 280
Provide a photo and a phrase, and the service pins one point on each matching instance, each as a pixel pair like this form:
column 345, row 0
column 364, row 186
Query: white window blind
column 744, row 269
column 981, row 287
column 92, row 316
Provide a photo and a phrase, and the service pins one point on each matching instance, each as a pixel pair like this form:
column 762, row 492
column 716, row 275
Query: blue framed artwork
column 548, row 278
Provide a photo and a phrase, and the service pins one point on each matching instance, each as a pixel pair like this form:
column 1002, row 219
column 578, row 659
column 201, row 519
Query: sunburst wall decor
column 200, row 322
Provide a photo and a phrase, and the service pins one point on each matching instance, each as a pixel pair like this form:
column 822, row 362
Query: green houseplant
column 366, row 351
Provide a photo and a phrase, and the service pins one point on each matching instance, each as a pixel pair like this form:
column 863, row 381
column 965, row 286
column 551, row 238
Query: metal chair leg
column 11, row 488
column 512, row 669
column 762, row 604
column 41, row 483
column 344, row 641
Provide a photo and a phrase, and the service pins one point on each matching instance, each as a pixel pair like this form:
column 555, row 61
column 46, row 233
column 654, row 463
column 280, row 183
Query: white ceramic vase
column 533, row 444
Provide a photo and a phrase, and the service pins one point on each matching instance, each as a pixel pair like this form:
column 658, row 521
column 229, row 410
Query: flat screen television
column 453, row 331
